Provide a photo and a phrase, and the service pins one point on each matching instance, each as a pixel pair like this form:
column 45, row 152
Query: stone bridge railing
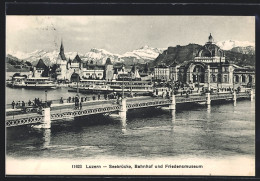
column 24, row 121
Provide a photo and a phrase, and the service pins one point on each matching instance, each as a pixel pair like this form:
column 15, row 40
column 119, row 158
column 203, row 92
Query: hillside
column 188, row 52
column 13, row 64
column 178, row 53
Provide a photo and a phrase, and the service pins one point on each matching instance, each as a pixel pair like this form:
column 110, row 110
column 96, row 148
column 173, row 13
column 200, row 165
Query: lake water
column 191, row 131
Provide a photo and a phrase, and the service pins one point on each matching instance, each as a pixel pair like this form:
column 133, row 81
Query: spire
column 62, row 55
column 61, row 46
column 211, row 40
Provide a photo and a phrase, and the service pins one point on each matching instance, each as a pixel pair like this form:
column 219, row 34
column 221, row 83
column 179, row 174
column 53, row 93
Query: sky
column 119, row 34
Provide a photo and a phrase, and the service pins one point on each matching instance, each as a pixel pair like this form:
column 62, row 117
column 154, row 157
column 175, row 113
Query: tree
column 28, row 63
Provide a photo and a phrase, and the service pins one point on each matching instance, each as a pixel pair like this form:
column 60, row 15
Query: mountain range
column 145, row 54
column 141, row 55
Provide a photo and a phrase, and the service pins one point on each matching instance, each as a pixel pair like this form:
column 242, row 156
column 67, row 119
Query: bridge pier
column 47, row 118
column 208, row 100
column 46, row 138
column 252, row 95
column 173, row 103
column 235, row 98
column 123, row 109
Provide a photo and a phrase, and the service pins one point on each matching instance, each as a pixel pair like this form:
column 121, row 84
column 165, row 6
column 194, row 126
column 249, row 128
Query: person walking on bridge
column 23, row 104
column 13, row 104
column 80, row 105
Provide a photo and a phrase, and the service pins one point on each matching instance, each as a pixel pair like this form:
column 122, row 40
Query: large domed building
column 210, row 67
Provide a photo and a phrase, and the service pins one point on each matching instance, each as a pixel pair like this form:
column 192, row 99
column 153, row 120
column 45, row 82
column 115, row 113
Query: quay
column 68, row 111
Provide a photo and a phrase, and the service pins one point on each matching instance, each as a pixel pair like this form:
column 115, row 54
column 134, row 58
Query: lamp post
column 123, row 93
column 234, row 78
column 46, row 96
column 131, row 85
column 77, row 85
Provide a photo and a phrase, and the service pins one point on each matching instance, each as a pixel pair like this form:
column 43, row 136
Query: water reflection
column 173, row 112
column 208, row 118
column 123, row 124
column 208, row 109
column 46, row 137
column 235, row 103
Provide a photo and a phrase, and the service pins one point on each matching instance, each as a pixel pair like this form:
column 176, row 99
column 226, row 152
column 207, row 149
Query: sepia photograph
column 130, row 95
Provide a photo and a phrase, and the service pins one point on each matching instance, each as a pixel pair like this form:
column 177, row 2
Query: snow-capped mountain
column 100, row 56
column 142, row 55
column 244, row 47
column 144, row 52
column 229, row 44
column 245, row 50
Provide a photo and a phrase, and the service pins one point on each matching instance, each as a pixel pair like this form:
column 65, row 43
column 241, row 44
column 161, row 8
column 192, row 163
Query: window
column 226, row 69
column 225, row 78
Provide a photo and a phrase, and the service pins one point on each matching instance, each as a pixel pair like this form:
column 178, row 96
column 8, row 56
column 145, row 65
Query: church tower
column 61, row 63
column 61, row 54
column 108, row 73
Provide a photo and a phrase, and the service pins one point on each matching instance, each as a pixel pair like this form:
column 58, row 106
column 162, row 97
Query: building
column 77, row 69
column 209, row 67
column 39, row 69
column 173, row 72
column 109, row 70
column 61, row 63
column 162, row 73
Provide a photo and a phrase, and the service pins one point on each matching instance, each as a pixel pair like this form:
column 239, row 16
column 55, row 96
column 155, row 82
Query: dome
column 210, row 50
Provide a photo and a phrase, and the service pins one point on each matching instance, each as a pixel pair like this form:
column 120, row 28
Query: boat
column 40, row 83
column 134, row 87
column 32, row 83
column 17, row 81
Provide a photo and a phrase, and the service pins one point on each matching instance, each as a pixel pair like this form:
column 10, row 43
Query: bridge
column 68, row 111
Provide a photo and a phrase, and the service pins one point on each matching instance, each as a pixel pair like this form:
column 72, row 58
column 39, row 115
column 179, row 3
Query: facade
column 39, row 69
column 93, row 71
column 162, row 73
column 108, row 70
column 210, row 67
column 74, row 68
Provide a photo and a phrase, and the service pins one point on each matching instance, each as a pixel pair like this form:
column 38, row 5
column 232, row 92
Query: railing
column 147, row 104
column 24, row 121
column 243, row 94
column 221, row 96
column 78, row 113
column 192, row 99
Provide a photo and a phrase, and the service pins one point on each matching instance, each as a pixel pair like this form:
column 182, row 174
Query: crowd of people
column 79, row 100
column 178, row 90
column 35, row 102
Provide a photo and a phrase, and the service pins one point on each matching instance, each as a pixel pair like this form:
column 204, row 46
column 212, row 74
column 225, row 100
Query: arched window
column 243, row 78
column 250, row 78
